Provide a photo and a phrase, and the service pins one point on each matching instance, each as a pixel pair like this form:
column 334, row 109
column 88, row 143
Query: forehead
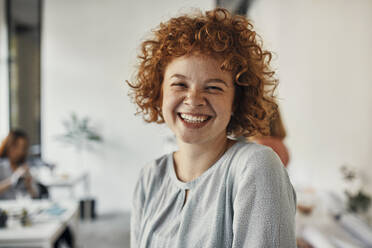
column 198, row 67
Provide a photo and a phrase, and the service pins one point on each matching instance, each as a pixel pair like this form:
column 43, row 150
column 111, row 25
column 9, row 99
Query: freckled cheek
column 169, row 106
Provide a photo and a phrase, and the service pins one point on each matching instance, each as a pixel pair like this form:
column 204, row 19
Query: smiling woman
column 204, row 76
column 197, row 99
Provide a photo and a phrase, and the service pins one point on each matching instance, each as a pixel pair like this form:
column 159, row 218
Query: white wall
column 88, row 51
column 323, row 48
column 4, row 82
column 324, row 61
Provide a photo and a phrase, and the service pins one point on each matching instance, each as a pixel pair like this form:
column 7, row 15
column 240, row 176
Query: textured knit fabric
column 245, row 199
column 6, row 172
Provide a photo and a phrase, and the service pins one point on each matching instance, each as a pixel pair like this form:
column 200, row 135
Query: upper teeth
column 192, row 118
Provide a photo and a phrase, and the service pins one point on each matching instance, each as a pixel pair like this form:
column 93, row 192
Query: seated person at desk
column 15, row 175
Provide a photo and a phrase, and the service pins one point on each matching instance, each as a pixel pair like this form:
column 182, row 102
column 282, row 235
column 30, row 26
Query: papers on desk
column 42, row 212
column 356, row 227
column 55, row 210
column 319, row 239
column 338, row 243
column 316, row 238
column 52, row 212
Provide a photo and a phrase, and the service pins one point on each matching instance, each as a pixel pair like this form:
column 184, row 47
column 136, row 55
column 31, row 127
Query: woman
column 276, row 139
column 15, row 175
column 207, row 77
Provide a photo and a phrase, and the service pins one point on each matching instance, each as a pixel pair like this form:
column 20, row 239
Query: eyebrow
column 216, row 80
column 211, row 80
column 178, row 76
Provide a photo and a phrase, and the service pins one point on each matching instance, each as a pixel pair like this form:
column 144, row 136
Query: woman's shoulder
column 277, row 145
column 250, row 157
column 156, row 166
column 248, row 148
column 246, row 151
column 259, row 165
column 154, row 171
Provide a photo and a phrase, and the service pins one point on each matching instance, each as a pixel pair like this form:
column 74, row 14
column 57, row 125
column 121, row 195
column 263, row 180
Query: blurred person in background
column 276, row 139
column 15, row 176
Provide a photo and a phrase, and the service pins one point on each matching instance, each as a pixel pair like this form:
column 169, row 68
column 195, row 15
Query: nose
column 195, row 98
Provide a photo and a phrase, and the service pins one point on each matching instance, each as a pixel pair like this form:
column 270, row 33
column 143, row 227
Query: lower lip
column 194, row 125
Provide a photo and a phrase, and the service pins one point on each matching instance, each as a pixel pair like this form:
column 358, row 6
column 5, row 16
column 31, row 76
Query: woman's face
column 197, row 99
column 18, row 152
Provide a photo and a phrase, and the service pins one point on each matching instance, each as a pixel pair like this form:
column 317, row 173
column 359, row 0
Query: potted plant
column 83, row 136
column 79, row 133
column 358, row 201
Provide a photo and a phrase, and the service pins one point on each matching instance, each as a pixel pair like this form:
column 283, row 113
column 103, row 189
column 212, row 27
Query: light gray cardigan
column 244, row 200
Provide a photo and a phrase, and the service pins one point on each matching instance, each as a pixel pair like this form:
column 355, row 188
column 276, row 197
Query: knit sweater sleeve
column 138, row 200
column 265, row 204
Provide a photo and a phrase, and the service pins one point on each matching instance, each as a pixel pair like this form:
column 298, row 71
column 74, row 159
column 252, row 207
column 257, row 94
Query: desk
column 321, row 229
column 43, row 232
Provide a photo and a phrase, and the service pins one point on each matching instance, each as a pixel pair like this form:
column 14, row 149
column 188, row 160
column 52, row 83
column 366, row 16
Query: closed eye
column 181, row 85
column 214, row 88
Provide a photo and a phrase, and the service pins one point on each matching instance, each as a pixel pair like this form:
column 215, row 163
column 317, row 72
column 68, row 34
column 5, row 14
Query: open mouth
column 194, row 121
column 194, row 118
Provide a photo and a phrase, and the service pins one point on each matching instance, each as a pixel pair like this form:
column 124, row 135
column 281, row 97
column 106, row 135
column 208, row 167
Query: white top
column 244, row 200
column 6, row 172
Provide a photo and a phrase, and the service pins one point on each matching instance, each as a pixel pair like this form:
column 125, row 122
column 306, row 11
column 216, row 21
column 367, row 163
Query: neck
column 191, row 160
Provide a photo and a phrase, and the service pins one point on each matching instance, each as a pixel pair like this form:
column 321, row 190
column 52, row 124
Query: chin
column 189, row 140
column 194, row 139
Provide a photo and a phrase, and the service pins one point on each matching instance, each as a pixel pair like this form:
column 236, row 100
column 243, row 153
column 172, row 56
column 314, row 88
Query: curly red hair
column 219, row 34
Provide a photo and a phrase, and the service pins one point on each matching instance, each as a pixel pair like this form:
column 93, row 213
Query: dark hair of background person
column 277, row 128
column 11, row 140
